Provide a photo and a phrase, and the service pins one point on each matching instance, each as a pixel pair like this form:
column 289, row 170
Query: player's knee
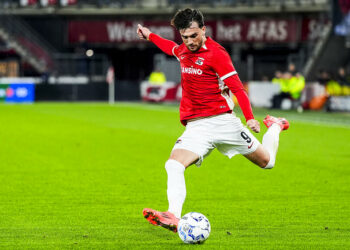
column 263, row 163
column 267, row 163
column 183, row 156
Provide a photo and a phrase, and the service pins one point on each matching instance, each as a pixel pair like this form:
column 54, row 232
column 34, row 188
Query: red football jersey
column 203, row 94
column 202, row 74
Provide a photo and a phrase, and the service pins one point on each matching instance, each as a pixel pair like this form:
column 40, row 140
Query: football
column 193, row 228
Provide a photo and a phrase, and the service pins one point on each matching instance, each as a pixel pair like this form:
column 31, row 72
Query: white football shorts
column 224, row 132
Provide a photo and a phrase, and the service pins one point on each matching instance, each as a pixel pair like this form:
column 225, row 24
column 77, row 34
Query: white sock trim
column 176, row 190
column 174, row 162
column 270, row 143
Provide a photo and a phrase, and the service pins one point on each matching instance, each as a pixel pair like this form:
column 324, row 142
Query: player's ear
column 203, row 29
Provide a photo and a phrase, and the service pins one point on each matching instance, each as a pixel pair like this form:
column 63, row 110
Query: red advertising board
column 312, row 29
column 246, row 30
column 115, row 31
column 256, row 30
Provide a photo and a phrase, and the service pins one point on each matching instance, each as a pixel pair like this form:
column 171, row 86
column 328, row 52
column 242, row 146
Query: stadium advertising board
column 3, row 88
column 260, row 30
column 17, row 92
column 312, row 29
column 246, row 30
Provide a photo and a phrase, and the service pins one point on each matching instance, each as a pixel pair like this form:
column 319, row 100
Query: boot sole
column 154, row 220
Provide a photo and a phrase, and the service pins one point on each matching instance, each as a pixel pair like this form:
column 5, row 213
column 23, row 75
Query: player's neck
column 204, row 40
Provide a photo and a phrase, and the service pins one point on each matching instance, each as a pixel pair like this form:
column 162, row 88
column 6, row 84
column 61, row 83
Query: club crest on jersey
column 199, row 61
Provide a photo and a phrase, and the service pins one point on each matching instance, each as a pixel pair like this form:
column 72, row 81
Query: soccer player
column 207, row 73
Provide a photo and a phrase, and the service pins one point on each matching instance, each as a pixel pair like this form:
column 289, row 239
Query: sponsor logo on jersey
column 199, row 61
column 192, row 71
column 182, row 57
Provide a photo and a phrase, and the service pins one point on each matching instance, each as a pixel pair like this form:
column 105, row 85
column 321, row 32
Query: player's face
column 193, row 37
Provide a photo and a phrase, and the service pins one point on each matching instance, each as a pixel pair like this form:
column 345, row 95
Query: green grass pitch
column 77, row 176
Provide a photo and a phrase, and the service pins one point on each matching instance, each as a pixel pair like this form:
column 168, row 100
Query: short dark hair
column 184, row 18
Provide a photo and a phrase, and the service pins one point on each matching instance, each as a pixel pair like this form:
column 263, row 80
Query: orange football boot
column 282, row 122
column 163, row 219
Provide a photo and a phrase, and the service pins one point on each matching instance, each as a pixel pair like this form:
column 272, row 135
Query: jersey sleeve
column 167, row 46
column 222, row 65
column 238, row 90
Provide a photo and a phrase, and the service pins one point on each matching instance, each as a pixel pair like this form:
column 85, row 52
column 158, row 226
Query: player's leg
column 190, row 148
column 178, row 161
column 260, row 157
column 265, row 155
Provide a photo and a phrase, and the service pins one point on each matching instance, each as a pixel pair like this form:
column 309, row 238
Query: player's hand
column 254, row 125
column 143, row 32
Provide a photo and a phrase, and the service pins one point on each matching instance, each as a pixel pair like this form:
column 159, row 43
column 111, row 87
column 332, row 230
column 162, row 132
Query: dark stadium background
column 77, row 168
column 49, row 21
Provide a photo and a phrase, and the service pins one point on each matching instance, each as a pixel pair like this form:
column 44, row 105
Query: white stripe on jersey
column 226, row 94
column 228, row 75
column 174, row 53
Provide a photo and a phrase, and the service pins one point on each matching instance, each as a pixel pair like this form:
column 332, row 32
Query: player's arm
column 165, row 45
column 236, row 87
column 223, row 66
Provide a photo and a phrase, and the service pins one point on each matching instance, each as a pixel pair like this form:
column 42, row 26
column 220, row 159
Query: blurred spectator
column 82, row 46
column 297, row 84
column 292, row 84
column 344, row 80
column 156, row 86
column 341, row 76
column 80, row 50
column 280, row 78
column 335, row 86
column 323, row 77
column 292, row 69
column 157, row 78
